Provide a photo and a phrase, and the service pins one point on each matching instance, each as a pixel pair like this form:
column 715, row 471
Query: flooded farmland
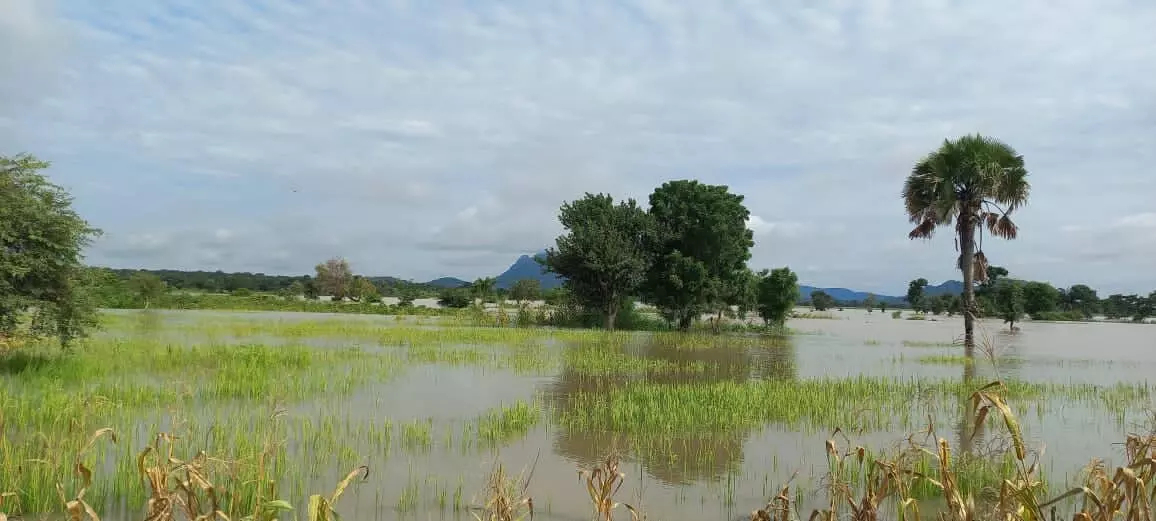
column 708, row 426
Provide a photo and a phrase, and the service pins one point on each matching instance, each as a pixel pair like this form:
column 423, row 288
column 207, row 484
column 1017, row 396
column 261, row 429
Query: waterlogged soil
column 671, row 475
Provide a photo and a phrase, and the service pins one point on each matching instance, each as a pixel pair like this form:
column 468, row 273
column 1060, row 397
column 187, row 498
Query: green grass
column 946, row 360
column 925, row 343
column 812, row 405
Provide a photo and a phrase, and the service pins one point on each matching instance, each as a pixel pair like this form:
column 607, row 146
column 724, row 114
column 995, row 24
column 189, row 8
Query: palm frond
column 923, row 231
column 1002, row 227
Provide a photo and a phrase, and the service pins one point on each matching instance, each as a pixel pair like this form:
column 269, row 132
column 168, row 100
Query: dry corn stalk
column 602, row 483
column 505, row 501
column 322, row 508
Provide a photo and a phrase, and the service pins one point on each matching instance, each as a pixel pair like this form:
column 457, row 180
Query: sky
column 428, row 138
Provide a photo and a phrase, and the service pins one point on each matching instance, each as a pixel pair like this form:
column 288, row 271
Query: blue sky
column 430, row 138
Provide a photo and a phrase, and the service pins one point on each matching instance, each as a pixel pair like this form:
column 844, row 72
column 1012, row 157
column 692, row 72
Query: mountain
column 846, row 295
column 528, row 268
column 950, row 287
column 447, row 282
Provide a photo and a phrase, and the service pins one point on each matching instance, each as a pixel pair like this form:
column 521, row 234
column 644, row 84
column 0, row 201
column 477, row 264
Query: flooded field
column 708, row 426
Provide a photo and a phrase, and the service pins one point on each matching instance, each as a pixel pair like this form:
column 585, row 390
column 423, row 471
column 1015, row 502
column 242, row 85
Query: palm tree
column 975, row 182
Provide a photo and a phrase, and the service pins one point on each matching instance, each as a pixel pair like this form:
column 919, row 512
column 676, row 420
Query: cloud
column 428, row 139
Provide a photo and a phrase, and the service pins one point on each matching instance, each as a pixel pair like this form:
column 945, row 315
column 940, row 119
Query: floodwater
column 706, row 476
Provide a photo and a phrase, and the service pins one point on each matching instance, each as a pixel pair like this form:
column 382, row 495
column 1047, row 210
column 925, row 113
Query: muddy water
column 721, row 476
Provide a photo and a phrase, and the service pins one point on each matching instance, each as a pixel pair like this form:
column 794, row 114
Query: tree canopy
column 605, row 253
column 777, row 294
column 701, row 247
column 915, row 294
column 821, row 300
column 334, row 278
column 41, row 243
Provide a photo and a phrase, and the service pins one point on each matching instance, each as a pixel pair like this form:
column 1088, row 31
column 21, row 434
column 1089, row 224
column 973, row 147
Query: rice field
column 434, row 417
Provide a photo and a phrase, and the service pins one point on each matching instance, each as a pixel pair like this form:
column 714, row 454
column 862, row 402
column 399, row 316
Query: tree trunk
column 967, row 260
column 611, row 314
column 685, row 320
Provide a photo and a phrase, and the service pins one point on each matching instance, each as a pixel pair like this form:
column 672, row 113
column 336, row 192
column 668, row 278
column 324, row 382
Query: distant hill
column 950, row 287
column 528, row 268
column 447, row 282
column 846, row 295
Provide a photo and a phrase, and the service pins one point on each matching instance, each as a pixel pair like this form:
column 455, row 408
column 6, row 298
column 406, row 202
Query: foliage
column 406, row 296
column 41, row 239
column 364, row 291
column 483, row 288
column 1009, row 300
column 526, row 289
column 975, row 182
column 1082, row 298
column 147, row 287
column 701, row 247
column 604, row 255
column 869, row 302
column 1040, row 297
column 915, row 294
column 821, row 301
column 455, row 298
column 778, row 291
column 334, row 278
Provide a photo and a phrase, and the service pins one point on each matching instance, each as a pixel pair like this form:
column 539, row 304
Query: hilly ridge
column 526, row 267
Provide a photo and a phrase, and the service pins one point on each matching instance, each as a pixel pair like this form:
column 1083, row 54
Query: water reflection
column 672, row 458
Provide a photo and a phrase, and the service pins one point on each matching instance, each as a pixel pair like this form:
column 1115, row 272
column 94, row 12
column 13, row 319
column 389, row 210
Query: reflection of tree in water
column 673, row 458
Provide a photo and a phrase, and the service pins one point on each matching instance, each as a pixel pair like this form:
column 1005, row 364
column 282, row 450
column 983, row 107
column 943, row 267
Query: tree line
column 1012, row 299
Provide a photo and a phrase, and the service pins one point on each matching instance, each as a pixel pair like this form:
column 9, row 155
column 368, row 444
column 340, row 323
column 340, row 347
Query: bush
column 455, row 298
column 1060, row 316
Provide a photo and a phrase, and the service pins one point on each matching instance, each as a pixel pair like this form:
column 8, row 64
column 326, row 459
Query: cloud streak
column 371, row 129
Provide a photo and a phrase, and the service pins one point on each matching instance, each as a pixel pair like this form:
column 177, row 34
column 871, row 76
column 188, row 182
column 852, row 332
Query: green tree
column 1040, row 297
column 1082, row 298
column 954, row 304
column 882, row 306
column 915, row 294
column 455, row 298
column 1009, row 300
column 334, row 278
column 41, row 239
column 364, row 290
column 406, row 294
column 869, row 302
column 604, row 255
column 975, row 182
column 146, row 287
column 940, row 303
column 296, row 289
column 701, row 248
column 483, row 288
column 778, row 292
column 745, row 293
column 821, row 301
column 1145, row 307
column 526, row 289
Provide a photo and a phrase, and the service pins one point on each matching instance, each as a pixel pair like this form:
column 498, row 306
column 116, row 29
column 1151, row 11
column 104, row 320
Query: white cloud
column 373, row 127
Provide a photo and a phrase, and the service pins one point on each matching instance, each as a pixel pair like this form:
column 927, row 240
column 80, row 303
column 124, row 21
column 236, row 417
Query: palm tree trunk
column 967, row 260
